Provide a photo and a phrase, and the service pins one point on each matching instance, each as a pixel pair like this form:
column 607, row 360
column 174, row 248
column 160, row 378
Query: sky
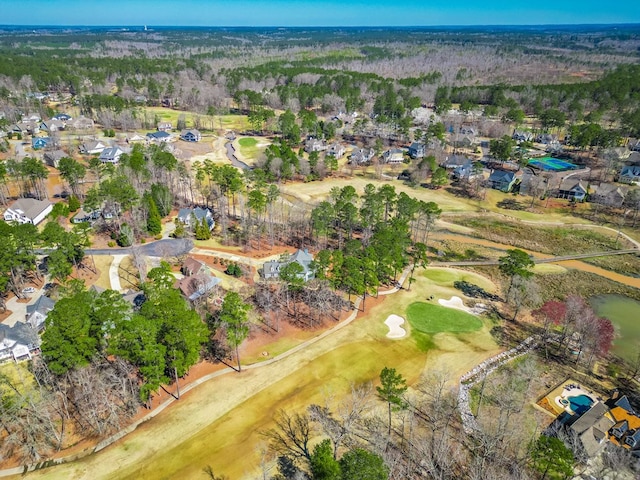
column 315, row 13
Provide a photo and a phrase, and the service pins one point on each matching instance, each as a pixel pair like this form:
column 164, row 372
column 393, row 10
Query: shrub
column 234, row 270
column 111, row 244
column 74, row 203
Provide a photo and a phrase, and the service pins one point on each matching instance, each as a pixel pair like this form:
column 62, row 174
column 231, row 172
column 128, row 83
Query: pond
column 624, row 313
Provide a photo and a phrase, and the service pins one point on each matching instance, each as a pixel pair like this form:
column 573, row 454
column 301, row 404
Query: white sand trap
column 456, row 302
column 395, row 330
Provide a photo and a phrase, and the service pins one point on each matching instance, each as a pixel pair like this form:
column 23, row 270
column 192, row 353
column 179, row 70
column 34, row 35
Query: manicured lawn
column 429, row 318
column 247, row 142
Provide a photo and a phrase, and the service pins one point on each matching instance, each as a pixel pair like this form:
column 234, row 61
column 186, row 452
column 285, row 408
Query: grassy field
column 209, row 122
column 18, row 375
column 429, row 318
column 551, row 240
column 103, row 262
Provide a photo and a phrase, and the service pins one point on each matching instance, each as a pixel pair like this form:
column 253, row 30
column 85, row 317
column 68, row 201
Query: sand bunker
column 395, row 330
column 456, row 302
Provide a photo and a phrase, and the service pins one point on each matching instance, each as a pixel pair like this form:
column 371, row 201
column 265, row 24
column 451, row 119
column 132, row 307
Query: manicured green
column 247, row 142
column 429, row 318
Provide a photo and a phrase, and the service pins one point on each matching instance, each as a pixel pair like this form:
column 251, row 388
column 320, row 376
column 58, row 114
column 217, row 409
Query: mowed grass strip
column 429, row 318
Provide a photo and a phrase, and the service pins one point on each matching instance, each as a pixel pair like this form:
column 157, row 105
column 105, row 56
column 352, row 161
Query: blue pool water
column 580, row 403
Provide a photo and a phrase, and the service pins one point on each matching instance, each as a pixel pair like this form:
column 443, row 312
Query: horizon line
column 141, row 25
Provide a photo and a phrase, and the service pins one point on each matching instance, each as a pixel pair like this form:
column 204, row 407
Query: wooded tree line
column 21, row 245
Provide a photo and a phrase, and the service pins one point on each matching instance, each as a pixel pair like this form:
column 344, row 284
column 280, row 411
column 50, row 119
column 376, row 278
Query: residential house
column 28, row 210
column 38, row 143
column 630, row 174
column 52, row 157
column 417, row 150
column 346, row 118
column 314, row 145
column 464, row 141
column 608, row 194
column 18, row 342
column 590, row 428
column 37, row 312
column 92, row 147
column 186, row 216
column 547, row 138
column 336, row 150
column 625, row 432
column 393, row 156
column 302, row 257
column 191, row 267
column 164, row 127
column 37, row 95
column 62, row 117
column 572, row 189
column 191, row 135
column 455, row 161
column 634, row 144
column 140, row 99
column 158, row 137
column 24, row 128
column 502, row 180
column 52, row 125
column 111, row 155
column 32, row 118
column 522, row 136
column 467, row 172
column 360, row 156
column 135, row 138
column 196, row 286
column 81, row 123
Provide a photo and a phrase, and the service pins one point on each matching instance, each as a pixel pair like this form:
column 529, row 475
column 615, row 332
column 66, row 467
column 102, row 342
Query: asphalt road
column 167, row 247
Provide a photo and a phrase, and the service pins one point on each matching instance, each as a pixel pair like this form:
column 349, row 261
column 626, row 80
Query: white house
column 393, row 156
column 28, row 210
column 302, row 257
column 17, row 342
column 336, row 150
column 38, row 311
column 111, row 155
column 186, row 215
column 93, row 147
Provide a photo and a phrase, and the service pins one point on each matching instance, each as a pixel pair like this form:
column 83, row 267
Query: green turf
column 428, row 318
column 248, row 142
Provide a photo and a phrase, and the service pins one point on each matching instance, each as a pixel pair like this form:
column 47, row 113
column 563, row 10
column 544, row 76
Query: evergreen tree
column 154, row 222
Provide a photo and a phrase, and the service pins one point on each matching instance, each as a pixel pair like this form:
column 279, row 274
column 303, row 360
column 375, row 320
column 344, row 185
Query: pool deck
column 551, row 402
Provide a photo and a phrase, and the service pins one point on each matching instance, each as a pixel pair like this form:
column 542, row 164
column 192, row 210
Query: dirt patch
column 4, row 315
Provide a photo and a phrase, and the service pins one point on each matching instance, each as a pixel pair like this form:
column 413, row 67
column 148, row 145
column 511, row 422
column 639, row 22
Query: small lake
column 624, row 313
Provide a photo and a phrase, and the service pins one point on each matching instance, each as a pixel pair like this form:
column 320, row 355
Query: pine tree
column 154, row 221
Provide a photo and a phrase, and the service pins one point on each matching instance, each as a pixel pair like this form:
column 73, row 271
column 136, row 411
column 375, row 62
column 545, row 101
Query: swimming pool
column 580, row 403
column 552, row 164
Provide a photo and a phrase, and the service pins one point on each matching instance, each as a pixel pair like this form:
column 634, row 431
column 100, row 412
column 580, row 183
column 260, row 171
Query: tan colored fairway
column 217, row 423
column 318, row 191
